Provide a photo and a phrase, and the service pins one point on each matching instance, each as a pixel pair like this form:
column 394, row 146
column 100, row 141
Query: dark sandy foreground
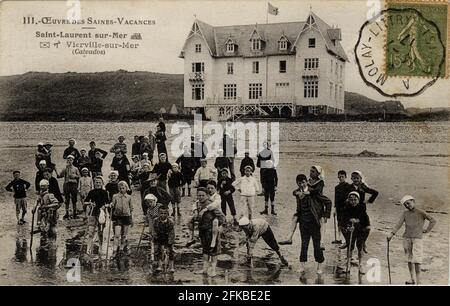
column 405, row 163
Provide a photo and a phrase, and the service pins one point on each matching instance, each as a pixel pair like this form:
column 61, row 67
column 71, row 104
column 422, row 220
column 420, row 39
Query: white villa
column 287, row 69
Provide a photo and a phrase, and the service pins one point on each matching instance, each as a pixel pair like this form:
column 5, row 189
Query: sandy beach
column 403, row 158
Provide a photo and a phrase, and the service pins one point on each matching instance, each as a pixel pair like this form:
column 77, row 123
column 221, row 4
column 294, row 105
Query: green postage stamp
column 416, row 39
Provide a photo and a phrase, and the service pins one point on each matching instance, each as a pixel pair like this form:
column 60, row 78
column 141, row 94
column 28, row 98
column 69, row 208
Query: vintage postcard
column 206, row 142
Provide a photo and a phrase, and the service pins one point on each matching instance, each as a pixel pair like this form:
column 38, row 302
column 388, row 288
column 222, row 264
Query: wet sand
column 411, row 158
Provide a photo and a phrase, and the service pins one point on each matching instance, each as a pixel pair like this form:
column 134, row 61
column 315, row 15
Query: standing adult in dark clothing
column 136, row 147
column 121, row 164
column 187, row 164
column 246, row 161
column 161, row 125
column 160, row 141
column 71, row 150
column 269, row 182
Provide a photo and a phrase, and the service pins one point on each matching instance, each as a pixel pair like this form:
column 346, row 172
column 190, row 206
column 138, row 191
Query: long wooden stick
column 389, row 262
column 109, row 235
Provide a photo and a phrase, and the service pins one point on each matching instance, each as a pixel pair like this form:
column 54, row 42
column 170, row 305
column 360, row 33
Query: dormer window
column 230, row 45
column 283, row 43
column 255, row 44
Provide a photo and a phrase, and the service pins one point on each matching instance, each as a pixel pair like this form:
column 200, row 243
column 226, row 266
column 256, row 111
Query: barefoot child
column 175, row 181
column 414, row 220
column 122, row 209
column 84, row 186
column 248, row 187
column 256, row 228
column 164, row 238
column 20, row 187
column 99, row 198
column 355, row 223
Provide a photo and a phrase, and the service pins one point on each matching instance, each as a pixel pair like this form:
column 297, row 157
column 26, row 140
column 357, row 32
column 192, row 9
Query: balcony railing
column 271, row 100
column 311, row 73
column 196, row 76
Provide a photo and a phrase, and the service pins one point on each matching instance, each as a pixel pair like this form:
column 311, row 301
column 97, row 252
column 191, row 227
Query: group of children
column 164, row 183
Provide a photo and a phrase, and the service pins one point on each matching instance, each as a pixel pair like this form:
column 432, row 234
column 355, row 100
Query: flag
column 272, row 9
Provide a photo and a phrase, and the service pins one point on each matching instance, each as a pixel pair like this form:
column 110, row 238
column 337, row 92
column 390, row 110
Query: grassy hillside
column 75, row 96
column 358, row 104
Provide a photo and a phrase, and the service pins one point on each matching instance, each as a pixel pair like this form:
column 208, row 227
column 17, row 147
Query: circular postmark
column 400, row 53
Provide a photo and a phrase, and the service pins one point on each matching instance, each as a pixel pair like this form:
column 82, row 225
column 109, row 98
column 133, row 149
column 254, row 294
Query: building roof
column 217, row 37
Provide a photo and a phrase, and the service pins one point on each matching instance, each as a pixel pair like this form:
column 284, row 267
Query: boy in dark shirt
column 341, row 192
column 20, row 187
column 226, row 189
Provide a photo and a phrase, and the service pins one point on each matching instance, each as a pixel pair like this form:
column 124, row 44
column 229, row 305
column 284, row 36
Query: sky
column 21, row 51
